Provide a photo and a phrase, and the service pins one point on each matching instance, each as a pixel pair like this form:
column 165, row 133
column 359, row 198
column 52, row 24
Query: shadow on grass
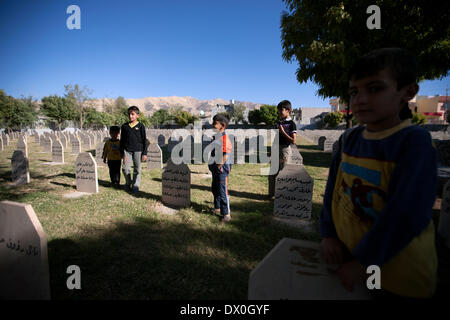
column 145, row 259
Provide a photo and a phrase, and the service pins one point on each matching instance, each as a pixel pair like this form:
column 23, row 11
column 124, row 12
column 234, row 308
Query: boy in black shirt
column 287, row 136
column 133, row 149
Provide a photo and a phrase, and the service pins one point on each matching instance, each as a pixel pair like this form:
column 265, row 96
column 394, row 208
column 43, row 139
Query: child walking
column 382, row 183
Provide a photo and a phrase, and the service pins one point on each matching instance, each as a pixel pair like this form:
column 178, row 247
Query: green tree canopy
column 333, row 119
column 325, row 37
column 58, row 109
column 16, row 113
column 160, row 117
column 81, row 99
column 418, row 118
column 238, row 113
column 269, row 114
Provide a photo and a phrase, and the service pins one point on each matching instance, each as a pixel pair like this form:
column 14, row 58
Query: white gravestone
column 57, row 152
column 86, row 173
column 295, row 156
column 20, row 168
column 154, row 157
column 23, row 254
column 296, row 270
column 293, row 193
column 444, row 219
column 176, row 185
column 76, row 145
column 22, row 146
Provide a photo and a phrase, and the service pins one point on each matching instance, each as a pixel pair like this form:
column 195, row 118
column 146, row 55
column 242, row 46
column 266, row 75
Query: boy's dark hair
column 400, row 62
column 133, row 108
column 114, row 129
column 222, row 119
column 286, row 104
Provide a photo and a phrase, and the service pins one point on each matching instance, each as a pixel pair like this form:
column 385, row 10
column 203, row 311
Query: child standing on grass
column 111, row 153
column 133, row 149
column 382, row 183
column 220, row 169
column 287, row 138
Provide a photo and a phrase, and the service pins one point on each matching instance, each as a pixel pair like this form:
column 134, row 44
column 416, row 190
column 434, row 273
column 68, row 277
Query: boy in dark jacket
column 133, row 149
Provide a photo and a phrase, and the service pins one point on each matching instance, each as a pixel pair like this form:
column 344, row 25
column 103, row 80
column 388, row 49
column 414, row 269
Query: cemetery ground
column 131, row 247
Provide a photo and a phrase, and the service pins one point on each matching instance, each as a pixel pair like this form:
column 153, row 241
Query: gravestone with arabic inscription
column 76, row 145
column 19, row 168
column 293, row 193
column 47, row 144
column 444, row 219
column 86, row 173
column 57, row 152
column 296, row 270
column 176, row 185
column 154, row 157
column 24, row 271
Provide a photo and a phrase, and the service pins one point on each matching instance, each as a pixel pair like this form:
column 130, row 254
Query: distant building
column 308, row 113
column 433, row 107
column 337, row 105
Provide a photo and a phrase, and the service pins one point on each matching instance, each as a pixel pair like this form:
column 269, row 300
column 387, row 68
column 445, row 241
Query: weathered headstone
column 444, row 219
column 76, row 145
column 19, row 168
column 176, row 185
column 154, row 157
column 57, row 152
column 293, row 193
column 86, row 173
column 99, row 154
column 295, row 270
column 24, row 271
column 47, row 144
column 295, row 156
column 22, row 146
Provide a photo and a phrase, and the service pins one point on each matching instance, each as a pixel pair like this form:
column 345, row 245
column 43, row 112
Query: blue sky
column 200, row 48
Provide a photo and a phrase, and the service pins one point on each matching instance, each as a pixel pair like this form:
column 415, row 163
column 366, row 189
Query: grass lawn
column 127, row 249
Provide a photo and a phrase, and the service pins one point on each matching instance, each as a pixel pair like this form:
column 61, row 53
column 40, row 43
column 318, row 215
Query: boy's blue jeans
column 132, row 157
column 220, row 190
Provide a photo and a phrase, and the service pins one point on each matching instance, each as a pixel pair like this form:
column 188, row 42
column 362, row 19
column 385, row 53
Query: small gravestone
column 63, row 139
column 296, row 270
column 293, row 193
column 47, row 144
column 176, row 185
column 295, row 156
column 99, row 154
column 19, row 168
column 444, row 219
column 6, row 140
column 328, row 145
column 86, row 173
column 22, row 146
column 57, row 152
column 24, row 271
column 154, row 157
column 76, row 145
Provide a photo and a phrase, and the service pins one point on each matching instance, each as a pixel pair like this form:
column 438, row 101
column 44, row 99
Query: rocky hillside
column 151, row 104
